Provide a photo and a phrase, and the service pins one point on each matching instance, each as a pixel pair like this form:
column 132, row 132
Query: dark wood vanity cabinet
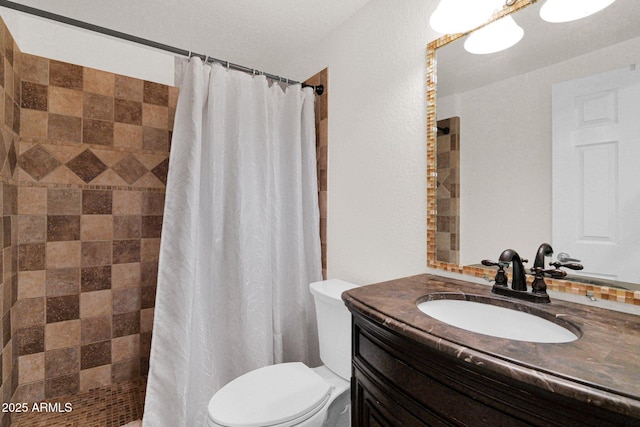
column 399, row 382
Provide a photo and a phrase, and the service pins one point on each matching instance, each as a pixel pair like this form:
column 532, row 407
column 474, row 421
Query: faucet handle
column 498, row 264
column 570, row 265
column 501, row 277
column 555, row 273
column 539, row 286
column 565, row 257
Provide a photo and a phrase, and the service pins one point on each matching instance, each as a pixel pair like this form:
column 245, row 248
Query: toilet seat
column 278, row 395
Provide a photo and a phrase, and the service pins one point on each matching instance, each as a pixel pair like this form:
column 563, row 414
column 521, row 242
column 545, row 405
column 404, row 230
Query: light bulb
column 460, row 16
column 570, row 10
column 497, row 36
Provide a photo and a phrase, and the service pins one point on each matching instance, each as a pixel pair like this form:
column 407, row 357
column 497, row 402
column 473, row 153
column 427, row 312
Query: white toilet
column 292, row 394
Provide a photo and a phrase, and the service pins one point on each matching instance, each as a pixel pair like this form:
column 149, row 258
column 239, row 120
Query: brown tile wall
column 83, row 166
column 84, row 163
column 10, row 118
column 322, row 146
column 448, row 191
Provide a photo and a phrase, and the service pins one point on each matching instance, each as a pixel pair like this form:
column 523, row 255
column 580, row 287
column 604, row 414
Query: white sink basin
column 496, row 321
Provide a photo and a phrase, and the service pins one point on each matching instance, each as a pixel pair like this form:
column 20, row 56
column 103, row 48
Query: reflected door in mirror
column 596, row 172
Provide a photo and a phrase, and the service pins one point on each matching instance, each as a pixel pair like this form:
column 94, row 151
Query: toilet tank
column 334, row 325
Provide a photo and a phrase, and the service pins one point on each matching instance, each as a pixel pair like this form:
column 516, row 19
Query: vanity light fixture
column 497, row 36
column 570, row 10
column 460, row 16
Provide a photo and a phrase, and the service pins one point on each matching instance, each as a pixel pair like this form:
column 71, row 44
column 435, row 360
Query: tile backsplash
column 84, row 158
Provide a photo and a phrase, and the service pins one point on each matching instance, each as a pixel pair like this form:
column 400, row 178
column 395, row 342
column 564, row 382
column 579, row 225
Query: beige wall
column 49, row 39
column 377, row 132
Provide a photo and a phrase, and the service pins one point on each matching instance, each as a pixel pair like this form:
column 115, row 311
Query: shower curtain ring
column 227, row 65
column 206, row 59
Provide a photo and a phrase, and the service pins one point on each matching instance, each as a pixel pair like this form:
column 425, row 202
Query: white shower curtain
column 240, row 240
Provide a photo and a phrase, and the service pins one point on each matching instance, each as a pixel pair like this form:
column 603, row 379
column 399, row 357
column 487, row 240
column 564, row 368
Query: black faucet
column 518, row 283
column 539, row 286
column 544, row 250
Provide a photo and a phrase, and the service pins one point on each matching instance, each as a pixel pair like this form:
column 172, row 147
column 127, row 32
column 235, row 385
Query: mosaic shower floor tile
column 113, row 406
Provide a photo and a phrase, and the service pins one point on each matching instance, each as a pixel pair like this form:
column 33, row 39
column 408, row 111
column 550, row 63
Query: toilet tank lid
column 331, row 289
column 271, row 395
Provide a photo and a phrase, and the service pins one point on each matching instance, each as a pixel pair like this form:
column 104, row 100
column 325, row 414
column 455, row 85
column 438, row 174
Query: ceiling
column 246, row 32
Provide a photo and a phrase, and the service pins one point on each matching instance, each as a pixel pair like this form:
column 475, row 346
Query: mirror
column 503, row 106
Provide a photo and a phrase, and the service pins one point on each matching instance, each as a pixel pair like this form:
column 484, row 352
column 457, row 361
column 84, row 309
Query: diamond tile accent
column 86, row 165
column 130, row 169
column 161, row 170
column 12, row 157
column 37, row 162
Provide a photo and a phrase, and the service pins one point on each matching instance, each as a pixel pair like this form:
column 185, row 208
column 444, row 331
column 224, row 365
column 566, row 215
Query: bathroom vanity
column 409, row 369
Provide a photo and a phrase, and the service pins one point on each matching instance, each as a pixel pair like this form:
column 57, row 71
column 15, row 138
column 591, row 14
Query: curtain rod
column 319, row 90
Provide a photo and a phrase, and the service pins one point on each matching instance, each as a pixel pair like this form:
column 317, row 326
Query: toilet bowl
column 292, row 394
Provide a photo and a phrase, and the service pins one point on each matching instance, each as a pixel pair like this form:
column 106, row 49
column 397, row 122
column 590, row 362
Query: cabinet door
column 398, row 382
column 373, row 407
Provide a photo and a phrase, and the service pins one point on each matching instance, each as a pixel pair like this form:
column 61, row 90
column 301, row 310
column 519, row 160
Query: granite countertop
column 601, row 367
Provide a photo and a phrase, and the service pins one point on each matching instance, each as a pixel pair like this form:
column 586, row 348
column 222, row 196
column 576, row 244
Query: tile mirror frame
column 599, row 292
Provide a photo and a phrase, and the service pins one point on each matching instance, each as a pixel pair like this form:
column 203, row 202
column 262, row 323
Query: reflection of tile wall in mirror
column 448, row 191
